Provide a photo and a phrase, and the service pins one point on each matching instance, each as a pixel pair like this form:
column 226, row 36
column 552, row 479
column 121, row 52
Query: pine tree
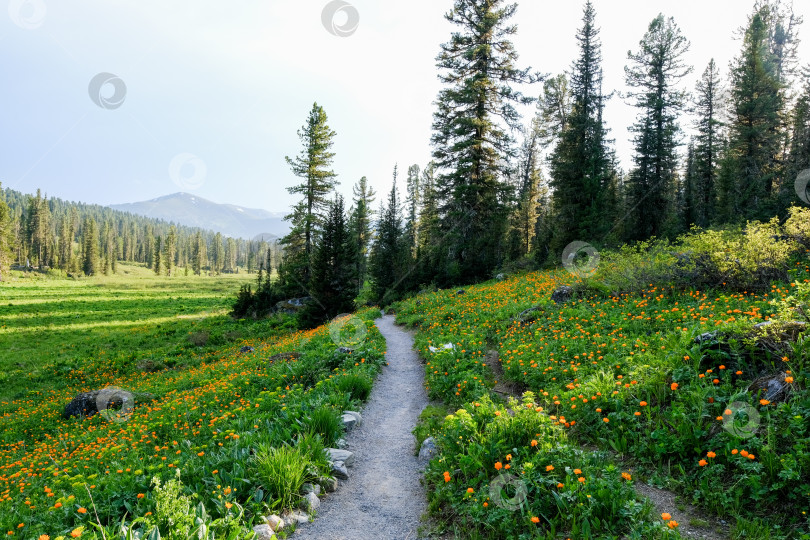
column 197, row 253
column 387, row 253
column 655, row 70
column 170, row 250
column 313, row 166
column 412, row 202
column 7, row 240
column 553, row 110
column 691, row 200
column 38, row 229
column 799, row 159
column 90, row 243
column 581, row 164
column 360, row 228
column 707, row 107
column 332, row 285
column 529, row 179
column 428, row 228
column 478, row 65
column 158, row 255
column 755, row 138
column 217, row 254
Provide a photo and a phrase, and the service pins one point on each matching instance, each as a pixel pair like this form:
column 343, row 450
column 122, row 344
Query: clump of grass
column 325, row 422
column 282, row 471
column 359, row 386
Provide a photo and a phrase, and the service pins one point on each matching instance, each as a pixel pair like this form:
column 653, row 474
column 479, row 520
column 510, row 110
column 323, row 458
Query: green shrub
column 282, row 471
column 325, row 422
column 359, row 386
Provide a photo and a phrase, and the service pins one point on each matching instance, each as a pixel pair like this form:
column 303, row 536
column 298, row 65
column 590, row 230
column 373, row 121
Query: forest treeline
column 37, row 232
column 505, row 192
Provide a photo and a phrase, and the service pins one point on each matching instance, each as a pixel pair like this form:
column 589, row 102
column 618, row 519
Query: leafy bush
column 797, row 225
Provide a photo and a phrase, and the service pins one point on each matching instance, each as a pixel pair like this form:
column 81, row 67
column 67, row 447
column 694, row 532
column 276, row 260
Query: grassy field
column 214, row 439
column 132, row 317
column 617, row 390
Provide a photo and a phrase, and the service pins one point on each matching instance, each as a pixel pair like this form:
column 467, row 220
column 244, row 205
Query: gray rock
column 336, row 455
column 341, row 443
column 339, row 470
column 247, row 349
column 427, row 450
column 349, row 421
column 356, row 416
column 562, row 294
column 296, row 518
column 708, row 337
column 500, row 277
column 275, row 522
column 284, row 357
column 310, row 503
column 264, row 532
column 460, row 292
column 345, row 350
column 330, row 484
column 311, row 488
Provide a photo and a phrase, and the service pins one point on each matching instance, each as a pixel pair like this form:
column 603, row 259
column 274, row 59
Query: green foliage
column 358, row 386
column 283, row 471
column 325, row 422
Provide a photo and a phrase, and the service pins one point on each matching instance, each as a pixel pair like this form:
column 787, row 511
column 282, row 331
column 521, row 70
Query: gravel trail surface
column 383, row 499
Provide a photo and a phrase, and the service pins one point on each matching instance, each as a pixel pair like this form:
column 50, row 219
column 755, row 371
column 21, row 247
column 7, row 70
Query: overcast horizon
column 205, row 98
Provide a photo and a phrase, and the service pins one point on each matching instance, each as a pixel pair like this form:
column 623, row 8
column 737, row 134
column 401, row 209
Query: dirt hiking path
column 382, row 499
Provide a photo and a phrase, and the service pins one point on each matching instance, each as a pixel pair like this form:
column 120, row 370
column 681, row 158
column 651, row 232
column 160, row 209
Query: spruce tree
column 412, row 202
column 707, row 108
column 582, row 164
column 799, row 158
column 313, row 166
column 387, row 254
column 470, row 144
column 653, row 75
column 90, row 243
column 158, row 255
column 333, row 267
column 170, row 250
column 360, row 228
column 217, row 254
column 755, row 130
column 428, row 228
column 7, row 239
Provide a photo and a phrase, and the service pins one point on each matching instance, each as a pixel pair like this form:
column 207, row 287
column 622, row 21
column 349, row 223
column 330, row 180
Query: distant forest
column 504, row 192
column 37, row 232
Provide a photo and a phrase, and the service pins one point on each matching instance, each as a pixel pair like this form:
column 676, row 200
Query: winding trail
column 383, row 499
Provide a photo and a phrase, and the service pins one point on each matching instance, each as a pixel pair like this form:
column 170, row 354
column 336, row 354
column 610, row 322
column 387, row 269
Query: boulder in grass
column 284, row 357
column 264, row 532
column 246, row 349
column 562, row 294
column 86, row 404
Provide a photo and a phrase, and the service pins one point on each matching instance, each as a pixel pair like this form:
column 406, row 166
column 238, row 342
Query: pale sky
column 209, row 95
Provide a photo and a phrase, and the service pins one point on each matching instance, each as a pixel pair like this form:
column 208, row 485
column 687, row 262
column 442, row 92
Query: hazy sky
column 206, row 97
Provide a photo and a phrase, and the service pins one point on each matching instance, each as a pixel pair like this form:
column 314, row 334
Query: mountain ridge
column 195, row 211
